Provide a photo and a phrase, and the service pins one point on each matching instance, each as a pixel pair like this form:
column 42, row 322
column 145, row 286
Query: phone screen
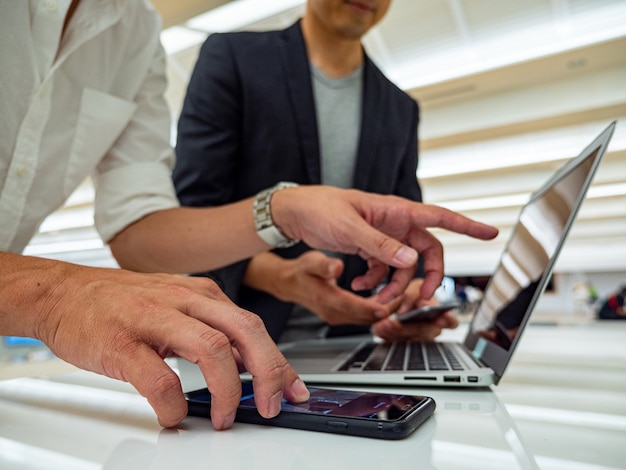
column 329, row 402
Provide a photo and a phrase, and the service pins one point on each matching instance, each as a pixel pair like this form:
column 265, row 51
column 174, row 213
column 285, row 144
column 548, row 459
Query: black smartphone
column 427, row 313
column 366, row 414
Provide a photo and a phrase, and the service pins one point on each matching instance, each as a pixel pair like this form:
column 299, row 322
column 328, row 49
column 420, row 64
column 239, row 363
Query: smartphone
column 366, row 414
column 427, row 313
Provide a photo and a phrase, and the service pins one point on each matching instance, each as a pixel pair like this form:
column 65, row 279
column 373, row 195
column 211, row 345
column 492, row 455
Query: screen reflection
column 529, row 256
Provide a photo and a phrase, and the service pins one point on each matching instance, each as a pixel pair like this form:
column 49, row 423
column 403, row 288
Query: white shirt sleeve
column 134, row 178
column 90, row 103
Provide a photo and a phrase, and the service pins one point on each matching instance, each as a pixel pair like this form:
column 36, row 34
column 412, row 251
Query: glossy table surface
column 561, row 405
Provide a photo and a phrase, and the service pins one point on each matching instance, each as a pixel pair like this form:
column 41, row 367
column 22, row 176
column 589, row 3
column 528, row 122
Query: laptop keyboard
column 403, row 356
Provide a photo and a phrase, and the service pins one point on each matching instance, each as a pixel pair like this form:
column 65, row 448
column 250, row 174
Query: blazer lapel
column 297, row 70
column 370, row 125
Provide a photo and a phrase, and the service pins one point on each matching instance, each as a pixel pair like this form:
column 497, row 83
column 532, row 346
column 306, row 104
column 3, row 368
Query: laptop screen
column 526, row 264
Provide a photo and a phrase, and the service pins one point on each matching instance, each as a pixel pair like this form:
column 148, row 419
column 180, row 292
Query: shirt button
column 21, row 171
column 50, row 5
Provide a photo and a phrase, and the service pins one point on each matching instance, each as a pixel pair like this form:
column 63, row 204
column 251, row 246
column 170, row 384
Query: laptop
column 499, row 319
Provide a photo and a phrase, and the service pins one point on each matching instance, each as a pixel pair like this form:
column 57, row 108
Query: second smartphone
column 427, row 313
column 366, row 414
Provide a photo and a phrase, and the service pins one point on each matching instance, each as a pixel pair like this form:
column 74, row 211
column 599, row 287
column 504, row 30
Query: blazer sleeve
column 408, row 184
column 207, row 147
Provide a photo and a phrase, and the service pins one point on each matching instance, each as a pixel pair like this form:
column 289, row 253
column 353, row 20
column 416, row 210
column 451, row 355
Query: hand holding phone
column 427, row 313
column 366, row 414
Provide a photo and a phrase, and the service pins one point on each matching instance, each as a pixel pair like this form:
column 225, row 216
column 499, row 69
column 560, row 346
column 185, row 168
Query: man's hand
column 311, row 281
column 391, row 329
column 385, row 230
column 122, row 324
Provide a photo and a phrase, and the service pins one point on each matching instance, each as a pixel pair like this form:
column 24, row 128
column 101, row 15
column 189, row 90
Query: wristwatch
column 265, row 228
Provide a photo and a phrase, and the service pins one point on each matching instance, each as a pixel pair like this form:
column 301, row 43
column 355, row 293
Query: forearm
column 28, row 289
column 187, row 240
column 263, row 273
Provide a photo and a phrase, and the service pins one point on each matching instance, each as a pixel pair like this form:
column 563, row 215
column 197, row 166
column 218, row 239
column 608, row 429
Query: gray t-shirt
column 338, row 106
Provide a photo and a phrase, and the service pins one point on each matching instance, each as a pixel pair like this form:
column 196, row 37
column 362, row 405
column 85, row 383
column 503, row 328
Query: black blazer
column 248, row 121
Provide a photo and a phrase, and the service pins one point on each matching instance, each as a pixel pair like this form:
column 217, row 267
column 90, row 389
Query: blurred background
column 508, row 91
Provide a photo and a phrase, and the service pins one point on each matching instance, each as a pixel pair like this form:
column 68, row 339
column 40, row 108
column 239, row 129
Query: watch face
column 265, row 228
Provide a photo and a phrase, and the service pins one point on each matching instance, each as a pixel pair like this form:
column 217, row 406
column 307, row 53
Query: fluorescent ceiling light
column 177, row 39
column 512, row 200
column 510, row 152
column 607, row 190
column 517, row 200
column 239, row 14
column 68, row 219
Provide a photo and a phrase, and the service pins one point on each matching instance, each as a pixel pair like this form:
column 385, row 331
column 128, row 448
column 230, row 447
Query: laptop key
column 396, row 357
column 435, row 358
column 378, row 357
column 454, row 362
column 357, row 360
column 416, row 357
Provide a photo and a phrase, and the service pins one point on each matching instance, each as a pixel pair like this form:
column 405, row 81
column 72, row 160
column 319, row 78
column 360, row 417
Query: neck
column 334, row 55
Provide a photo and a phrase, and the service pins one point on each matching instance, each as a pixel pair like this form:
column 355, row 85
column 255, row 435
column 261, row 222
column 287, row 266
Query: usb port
column 472, row 378
column 451, row 378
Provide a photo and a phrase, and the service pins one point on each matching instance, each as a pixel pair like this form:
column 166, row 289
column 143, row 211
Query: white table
column 564, row 412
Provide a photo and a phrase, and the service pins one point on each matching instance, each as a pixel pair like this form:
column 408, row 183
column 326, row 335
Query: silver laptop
column 498, row 321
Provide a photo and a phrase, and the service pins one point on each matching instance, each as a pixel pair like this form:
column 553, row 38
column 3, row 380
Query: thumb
column 325, row 267
column 372, row 243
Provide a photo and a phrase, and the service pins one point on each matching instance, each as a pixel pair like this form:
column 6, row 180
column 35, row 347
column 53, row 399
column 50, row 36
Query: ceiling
column 508, row 90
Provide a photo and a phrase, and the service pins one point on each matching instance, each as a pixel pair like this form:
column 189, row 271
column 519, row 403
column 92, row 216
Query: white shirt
column 91, row 105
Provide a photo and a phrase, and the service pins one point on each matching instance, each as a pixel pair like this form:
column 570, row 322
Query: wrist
column 265, row 273
column 270, row 232
column 30, row 290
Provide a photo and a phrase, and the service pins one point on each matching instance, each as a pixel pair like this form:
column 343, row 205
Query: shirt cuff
column 126, row 194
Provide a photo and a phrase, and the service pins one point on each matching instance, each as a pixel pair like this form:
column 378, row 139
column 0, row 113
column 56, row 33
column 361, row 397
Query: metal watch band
column 265, row 228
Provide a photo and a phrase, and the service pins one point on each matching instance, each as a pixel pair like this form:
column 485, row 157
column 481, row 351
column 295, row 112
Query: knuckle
column 165, row 384
column 385, row 243
column 177, row 290
column 232, row 395
column 214, row 341
column 249, row 321
column 274, row 370
column 211, row 287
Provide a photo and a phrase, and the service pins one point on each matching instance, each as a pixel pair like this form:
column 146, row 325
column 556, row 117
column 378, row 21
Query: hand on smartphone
column 366, row 414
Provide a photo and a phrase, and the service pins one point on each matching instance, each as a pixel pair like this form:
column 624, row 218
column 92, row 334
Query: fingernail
column 300, row 391
column 405, row 256
column 330, row 270
column 228, row 421
column 275, row 402
column 380, row 314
